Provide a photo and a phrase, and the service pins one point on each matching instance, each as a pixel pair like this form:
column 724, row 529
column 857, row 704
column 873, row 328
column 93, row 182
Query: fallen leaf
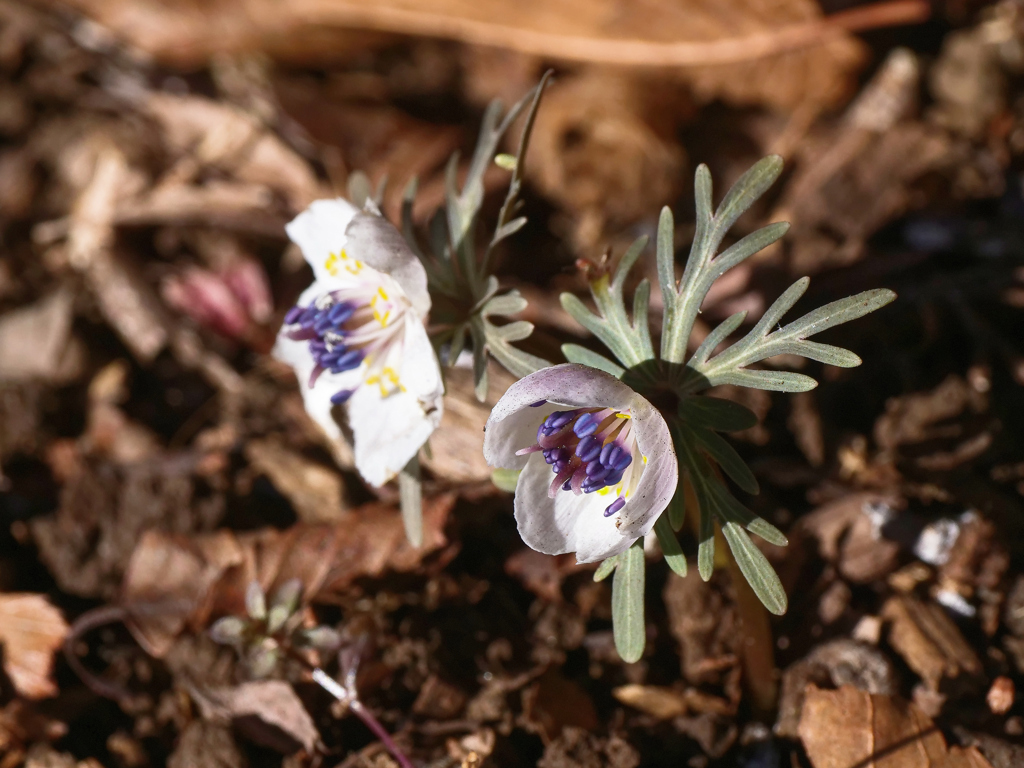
column 929, row 641
column 315, row 491
column 777, row 53
column 31, row 630
column 836, row 663
column 281, row 719
column 849, row 728
column 36, row 342
column 173, row 582
column 456, row 447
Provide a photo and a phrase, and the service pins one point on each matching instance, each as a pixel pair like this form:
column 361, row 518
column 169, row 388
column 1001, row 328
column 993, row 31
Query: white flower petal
column 319, row 231
column 513, row 423
column 566, row 523
column 388, row 431
column 375, row 241
column 661, row 473
column 328, row 227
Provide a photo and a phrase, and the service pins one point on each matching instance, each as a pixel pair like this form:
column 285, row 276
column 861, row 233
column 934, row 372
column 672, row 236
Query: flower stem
column 349, row 699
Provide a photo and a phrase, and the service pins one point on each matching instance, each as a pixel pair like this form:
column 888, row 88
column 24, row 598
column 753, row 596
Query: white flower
column 356, row 338
column 597, row 460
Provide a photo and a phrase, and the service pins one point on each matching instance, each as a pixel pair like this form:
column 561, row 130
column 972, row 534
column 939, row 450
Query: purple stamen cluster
column 322, row 324
column 583, row 451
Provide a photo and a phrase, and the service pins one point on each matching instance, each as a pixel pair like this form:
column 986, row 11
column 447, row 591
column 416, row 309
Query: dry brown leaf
column 177, row 581
column 797, row 55
column 207, row 133
column 849, row 728
column 35, row 341
column 315, row 491
column 273, row 703
column 929, row 641
column 456, row 448
column 605, row 147
column 31, row 630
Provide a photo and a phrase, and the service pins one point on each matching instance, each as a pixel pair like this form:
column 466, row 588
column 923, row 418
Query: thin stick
column 349, row 699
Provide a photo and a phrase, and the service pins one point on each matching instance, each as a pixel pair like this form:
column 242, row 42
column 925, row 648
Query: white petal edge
column 566, row 523
column 660, row 477
column 513, row 424
column 328, row 226
column 389, row 431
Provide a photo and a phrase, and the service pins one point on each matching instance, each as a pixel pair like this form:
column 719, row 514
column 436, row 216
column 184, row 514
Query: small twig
column 88, row 621
column 349, row 697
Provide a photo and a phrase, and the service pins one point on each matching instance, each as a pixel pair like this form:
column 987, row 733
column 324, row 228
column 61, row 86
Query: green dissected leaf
column 756, row 569
column 628, row 603
column 747, row 189
column 716, row 337
column 717, row 413
column 773, row 381
column 574, row 353
column 605, row 569
column 676, row 511
column 410, row 490
column 727, row 458
column 670, row 545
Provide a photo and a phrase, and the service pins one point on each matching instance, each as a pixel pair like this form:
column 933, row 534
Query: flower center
column 362, row 322
column 589, row 449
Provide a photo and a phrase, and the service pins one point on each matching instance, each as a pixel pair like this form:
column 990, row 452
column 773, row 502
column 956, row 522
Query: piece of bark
column 928, row 640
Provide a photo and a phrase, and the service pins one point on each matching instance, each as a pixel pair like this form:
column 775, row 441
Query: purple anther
column 323, row 324
column 347, row 362
column 589, row 448
column 567, row 486
column 308, row 316
column 339, row 313
column 622, row 462
column 341, row 396
column 559, row 419
column 606, row 449
column 585, row 425
column 597, row 472
column 538, row 404
column 614, row 507
column 613, row 478
column 293, row 314
column 613, row 456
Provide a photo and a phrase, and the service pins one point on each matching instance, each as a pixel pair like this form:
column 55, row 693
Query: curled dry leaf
column 776, row 53
column 174, row 582
column 849, row 727
column 31, row 629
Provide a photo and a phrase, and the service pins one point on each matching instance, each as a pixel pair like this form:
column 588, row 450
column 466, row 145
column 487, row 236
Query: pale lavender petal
column 658, row 482
column 374, row 240
column 567, row 522
column 564, row 386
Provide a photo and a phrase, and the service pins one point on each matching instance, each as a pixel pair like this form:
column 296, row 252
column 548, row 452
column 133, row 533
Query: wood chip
column 929, row 641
